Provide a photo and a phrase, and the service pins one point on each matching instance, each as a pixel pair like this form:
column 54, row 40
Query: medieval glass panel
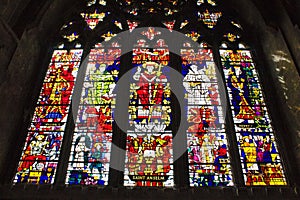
column 208, row 157
column 261, row 162
column 91, row 147
column 41, row 152
column 149, row 159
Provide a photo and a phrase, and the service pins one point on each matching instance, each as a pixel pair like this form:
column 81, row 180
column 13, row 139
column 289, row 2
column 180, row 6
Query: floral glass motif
column 102, row 2
column 92, row 19
column 209, row 19
column 169, row 11
column 118, row 24
column 132, row 25
column 231, row 37
column 71, row 37
column 151, row 33
column 169, row 24
column 40, row 155
column 91, row 2
column 236, row 24
column 91, row 147
column 211, row 2
column 209, row 163
column 194, row 35
column 107, row 36
column 261, row 162
column 199, row 2
column 149, row 155
column 66, row 25
column 133, row 11
column 184, row 23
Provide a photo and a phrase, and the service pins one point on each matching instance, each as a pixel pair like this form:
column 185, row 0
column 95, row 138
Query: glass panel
column 91, row 146
column 41, row 151
column 260, row 159
column 149, row 154
column 209, row 163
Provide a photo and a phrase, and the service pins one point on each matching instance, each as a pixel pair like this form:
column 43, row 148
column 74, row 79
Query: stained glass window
column 91, row 147
column 261, row 162
column 41, row 152
column 209, row 163
column 149, row 159
column 148, row 145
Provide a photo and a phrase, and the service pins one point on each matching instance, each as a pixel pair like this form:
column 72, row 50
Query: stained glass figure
column 261, row 162
column 149, row 159
column 91, row 146
column 208, row 157
column 209, row 19
column 40, row 154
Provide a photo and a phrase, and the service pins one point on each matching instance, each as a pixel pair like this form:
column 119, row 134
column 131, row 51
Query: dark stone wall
column 8, row 45
column 22, row 70
column 25, row 42
column 277, row 43
column 78, row 192
column 286, row 80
